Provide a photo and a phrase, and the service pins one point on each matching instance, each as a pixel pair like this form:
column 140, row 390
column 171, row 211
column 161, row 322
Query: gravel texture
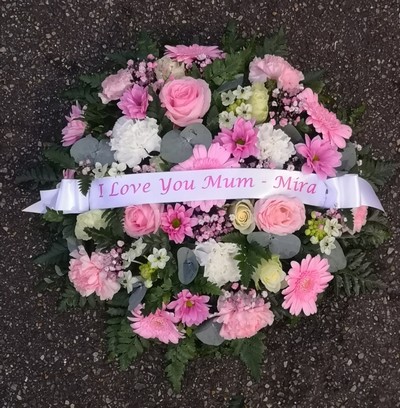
column 346, row 356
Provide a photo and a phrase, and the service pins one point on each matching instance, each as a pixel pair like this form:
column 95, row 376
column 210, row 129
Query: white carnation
column 133, row 140
column 89, row 219
column 220, row 267
column 274, row 145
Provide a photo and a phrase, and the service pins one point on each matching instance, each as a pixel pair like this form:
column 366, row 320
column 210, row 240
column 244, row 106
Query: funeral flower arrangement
column 207, row 270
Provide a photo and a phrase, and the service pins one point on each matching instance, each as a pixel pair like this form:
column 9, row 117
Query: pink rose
column 279, row 214
column 93, row 274
column 115, row 85
column 186, row 100
column 142, row 219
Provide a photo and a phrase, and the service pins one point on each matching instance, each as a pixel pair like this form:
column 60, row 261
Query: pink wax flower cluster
column 305, row 281
column 134, row 102
column 76, row 126
column 191, row 53
column 242, row 314
column 186, row 100
column 160, row 325
column 96, row 273
column 177, row 222
column 241, row 141
column 324, row 121
column 216, row 157
column 114, row 86
column 278, row 69
column 279, row 214
column 190, row 309
column 321, row 157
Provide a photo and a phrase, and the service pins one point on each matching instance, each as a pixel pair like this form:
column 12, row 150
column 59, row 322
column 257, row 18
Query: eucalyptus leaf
column 73, row 243
column 174, row 148
column 104, row 155
column 84, row 149
column 261, row 238
column 286, row 246
column 337, row 260
column 197, row 134
column 227, row 86
column 137, row 295
column 187, row 265
column 208, row 333
column 293, row 133
column 349, row 158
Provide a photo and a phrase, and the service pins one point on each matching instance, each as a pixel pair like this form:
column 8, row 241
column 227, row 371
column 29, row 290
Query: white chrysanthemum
column 226, row 120
column 220, row 267
column 89, row 219
column 133, row 140
column 274, row 145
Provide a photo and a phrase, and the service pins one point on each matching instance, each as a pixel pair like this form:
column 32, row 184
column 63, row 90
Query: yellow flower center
column 189, row 303
column 176, row 223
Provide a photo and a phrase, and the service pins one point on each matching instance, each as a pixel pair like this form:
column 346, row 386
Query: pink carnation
column 359, row 218
column 278, row 69
column 158, row 325
column 321, row 157
column 216, row 157
column 241, row 141
column 190, row 309
column 242, row 314
column 177, row 222
column 94, row 274
column 187, row 54
column 305, row 282
column 75, row 128
column 134, row 102
column 115, row 85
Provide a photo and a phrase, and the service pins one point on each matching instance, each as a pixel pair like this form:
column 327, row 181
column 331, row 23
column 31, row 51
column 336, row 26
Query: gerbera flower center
column 189, row 303
column 176, row 223
column 306, row 284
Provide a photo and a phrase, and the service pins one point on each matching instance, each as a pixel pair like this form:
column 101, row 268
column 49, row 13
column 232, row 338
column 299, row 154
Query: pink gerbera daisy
column 241, row 141
column 321, row 157
column 75, row 128
column 305, row 282
column 216, row 157
column 177, row 222
column 190, row 309
column 158, row 325
column 187, row 54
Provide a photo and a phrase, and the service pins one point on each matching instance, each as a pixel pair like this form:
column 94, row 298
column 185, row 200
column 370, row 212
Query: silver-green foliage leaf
column 137, row 295
column 208, row 333
column 286, row 246
column 89, row 148
column 336, row 259
column 349, row 158
column 174, row 148
column 187, row 265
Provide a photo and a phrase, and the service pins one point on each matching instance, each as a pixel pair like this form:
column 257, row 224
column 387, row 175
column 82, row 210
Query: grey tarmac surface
column 347, row 355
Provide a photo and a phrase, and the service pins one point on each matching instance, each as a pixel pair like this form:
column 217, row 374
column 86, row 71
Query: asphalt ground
column 345, row 356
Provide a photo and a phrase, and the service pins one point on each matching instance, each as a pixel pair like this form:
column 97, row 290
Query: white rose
column 90, row 219
column 167, row 68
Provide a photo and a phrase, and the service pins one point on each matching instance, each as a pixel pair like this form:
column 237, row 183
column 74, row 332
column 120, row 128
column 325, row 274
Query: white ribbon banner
column 347, row 191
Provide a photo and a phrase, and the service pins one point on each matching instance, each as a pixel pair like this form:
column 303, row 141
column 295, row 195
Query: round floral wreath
column 216, row 272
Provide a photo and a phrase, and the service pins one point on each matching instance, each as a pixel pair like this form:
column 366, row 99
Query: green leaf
column 178, row 357
column 251, row 352
column 314, row 80
column 202, row 285
column 103, row 237
column 53, row 215
column 94, row 80
column 114, row 219
column 58, row 253
column 376, row 172
column 275, row 45
column 40, row 175
column 60, row 156
column 231, row 40
column 85, row 183
column 145, row 45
